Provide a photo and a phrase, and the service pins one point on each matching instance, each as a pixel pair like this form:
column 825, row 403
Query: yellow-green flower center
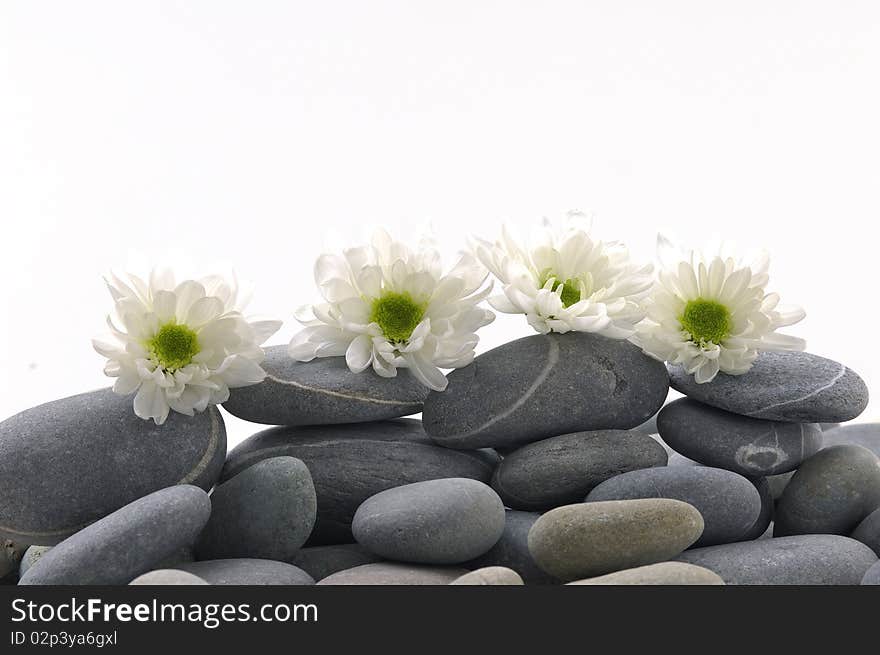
column 706, row 320
column 571, row 292
column 397, row 314
column 174, row 346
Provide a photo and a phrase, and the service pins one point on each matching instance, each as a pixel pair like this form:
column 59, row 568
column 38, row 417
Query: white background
column 240, row 132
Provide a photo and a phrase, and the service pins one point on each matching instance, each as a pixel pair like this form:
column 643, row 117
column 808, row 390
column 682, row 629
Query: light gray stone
column 491, row 575
column 866, row 435
column 395, row 573
column 321, row 561
column 30, row 557
column 246, row 571
column 868, row 531
column 512, row 550
column 662, row 573
column 164, row 577
column 872, row 575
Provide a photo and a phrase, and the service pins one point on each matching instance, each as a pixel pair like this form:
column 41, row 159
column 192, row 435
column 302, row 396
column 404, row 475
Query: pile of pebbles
column 544, row 462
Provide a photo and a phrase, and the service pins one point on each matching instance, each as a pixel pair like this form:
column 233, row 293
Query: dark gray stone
column 562, row 470
column 10, row 557
column 350, row 463
column 132, row 540
column 70, row 462
column 866, row 435
column 265, row 512
column 512, row 550
column 812, row 559
column 322, row 392
column 729, row 504
column 749, row 446
column 868, row 531
column 782, row 386
column 164, row 577
column 433, row 522
column 321, row 561
column 546, row 385
column 395, row 573
column 830, row 493
column 247, row 572
column 872, row 575
column 765, row 518
column 778, row 483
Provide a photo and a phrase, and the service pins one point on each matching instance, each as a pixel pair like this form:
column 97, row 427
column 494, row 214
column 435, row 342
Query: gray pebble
column 512, row 550
column 246, row 571
column 30, row 557
column 491, row 575
column 868, row 531
column 164, row 577
column 765, row 518
column 321, row 561
column 872, row 575
column 662, row 573
column 778, row 483
column 395, row 573
column 10, row 557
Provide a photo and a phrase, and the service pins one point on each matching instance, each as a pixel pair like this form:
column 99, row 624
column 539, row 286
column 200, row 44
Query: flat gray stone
column 491, row 575
column 321, row 561
column 590, row 539
column 132, row 540
column 245, row 571
column 512, row 550
column 322, row 392
column 265, row 512
column 562, row 470
column 70, row 462
column 872, row 575
column 165, row 577
column 395, row 573
column 30, row 557
column 445, row 521
column 546, row 385
column 866, row 435
column 350, row 463
column 811, row 559
column 748, row 446
column 729, row 504
column 782, row 386
column 830, row 493
column 868, row 531
column 663, row 573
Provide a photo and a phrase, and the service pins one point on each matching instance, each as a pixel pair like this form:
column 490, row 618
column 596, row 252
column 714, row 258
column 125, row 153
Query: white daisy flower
column 390, row 307
column 711, row 313
column 567, row 281
column 180, row 346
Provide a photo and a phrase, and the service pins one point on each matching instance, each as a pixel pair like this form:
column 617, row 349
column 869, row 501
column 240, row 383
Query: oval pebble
column 491, row 575
column 590, row 539
column 247, row 571
column 512, row 550
column 765, row 518
column 868, row 531
column 866, row 435
column 162, row 577
column 729, row 504
column 395, row 573
column 322, row 392
column 872, row 575
column 445, row 521
column 562, row 470
column 662, row 573
column 321, row 561
column 546, row 385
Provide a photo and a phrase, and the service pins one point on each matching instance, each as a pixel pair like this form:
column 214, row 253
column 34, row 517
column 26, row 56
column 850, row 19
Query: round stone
column 395, row 573
column 162, row 577
column 872, row 575
column 512, row 550
column 31, row 556
column 323, row 391
column 433, row 522
column 245, row 571
column 663, row 573
column 350, row 463
column 830, row 493
column 132, row 540
column 546, row 385
column 728, row 503
column 868, row 531
column 491, row 575
column 866, row 435
column 813, row 559
column 748, row 446
column 782, row 386
column 589, row 539
column 321, row 561
column 70, row 462
column 562, row 470
column 265, row 512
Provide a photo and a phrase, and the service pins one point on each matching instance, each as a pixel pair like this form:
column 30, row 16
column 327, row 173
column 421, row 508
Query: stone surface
column 162, row 577
column 765, row 518
column 323, row 391
column 30, row 557
column 491, row 575
column 868, row 531
column 546, row 385
column 778, row 483
column 663, row 573
column 132, row 540
column 321, row 561
column 830, row 493
column 245, row 571
column 729, row 504
column 813, row 559
column 590, row 539
column 872, row 575
column 512, row 550
column 350, row 463
column 265, row 512
column 562, row 470
column 70, row 462
column 445, row 521
column 860, row 434
column 395, row 573
column 783, row 386
column 748, row 446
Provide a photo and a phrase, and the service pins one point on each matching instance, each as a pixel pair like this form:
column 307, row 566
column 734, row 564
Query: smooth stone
column 872, row 575
column 445, row 521
column 512, row 550
column 868, row 531
column 180, row 556
column 321, row 561
column 73, row 461
column 778, row 483
column 132, row 540
column 323, row 392
column 765, row 518
column 10, row 557
column 590, row 539
column 866, row 435
column 812, row 559
column 265, row 512
column 663, row 573
column 562, row 470
column 729, row 504
column 162, row 577
column 782, row 386
column 546, row 385
column 491, row 575
column 31, row 556
column 830, row 493
column 350, row 463
column 748, row 446
column 394, row 573
column 247, row 571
